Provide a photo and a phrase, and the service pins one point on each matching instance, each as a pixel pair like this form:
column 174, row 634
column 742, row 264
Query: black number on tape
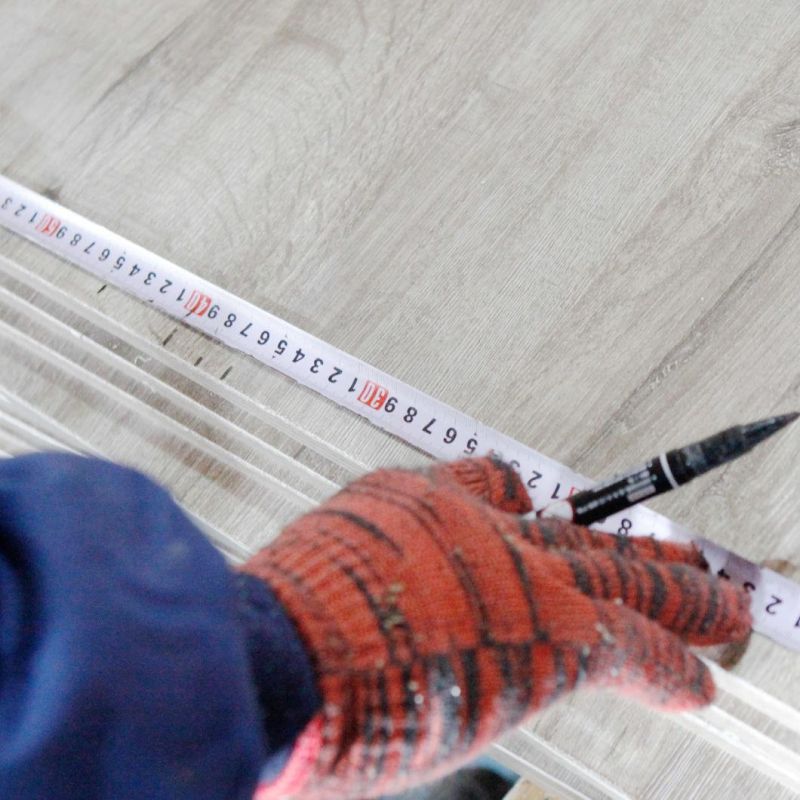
column 776, row 601
column 532, row 480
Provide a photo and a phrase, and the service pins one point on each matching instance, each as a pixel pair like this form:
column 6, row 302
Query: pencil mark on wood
column 783, row 566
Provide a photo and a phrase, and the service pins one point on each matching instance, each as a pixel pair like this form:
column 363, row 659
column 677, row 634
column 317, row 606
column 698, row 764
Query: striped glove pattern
column 437, row 619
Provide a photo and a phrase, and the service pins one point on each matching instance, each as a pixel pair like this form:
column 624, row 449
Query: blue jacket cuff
column 132, row 661
column 282, row 670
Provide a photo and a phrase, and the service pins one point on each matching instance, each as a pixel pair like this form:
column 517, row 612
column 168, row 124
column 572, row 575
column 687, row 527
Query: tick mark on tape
column 101, row 288
column 169, row 336
column 226, row 373
column 197, row 362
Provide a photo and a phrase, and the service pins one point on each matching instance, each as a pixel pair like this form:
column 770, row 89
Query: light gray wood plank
column 576, row 221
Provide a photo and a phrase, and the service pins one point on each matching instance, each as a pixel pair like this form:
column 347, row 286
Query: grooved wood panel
column 577, row 221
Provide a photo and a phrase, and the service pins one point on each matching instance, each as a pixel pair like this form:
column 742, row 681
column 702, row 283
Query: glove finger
column 488, row 479
column 563, row 535
column 696, row 606
column 598, row 643
column 638, row 657
column 483, row 479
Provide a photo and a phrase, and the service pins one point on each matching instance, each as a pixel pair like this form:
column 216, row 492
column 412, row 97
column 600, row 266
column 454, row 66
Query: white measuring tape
column 387, row 402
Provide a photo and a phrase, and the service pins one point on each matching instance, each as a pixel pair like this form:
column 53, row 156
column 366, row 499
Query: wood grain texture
column 577, row 221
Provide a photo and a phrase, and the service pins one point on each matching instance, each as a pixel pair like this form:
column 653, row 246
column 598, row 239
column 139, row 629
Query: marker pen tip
column 782, row 420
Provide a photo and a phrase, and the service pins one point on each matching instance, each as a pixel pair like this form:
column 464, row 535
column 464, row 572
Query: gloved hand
column 437, row 619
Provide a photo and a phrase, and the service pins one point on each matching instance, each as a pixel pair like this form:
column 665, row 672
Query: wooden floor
column 577, row 221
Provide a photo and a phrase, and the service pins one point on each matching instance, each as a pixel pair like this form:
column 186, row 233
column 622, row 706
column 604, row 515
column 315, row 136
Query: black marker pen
column 664, row 472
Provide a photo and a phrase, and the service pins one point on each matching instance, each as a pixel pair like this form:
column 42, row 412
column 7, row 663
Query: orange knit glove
column 437, row 619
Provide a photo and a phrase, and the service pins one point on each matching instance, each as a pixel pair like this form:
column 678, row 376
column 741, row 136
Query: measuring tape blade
column 415, row 417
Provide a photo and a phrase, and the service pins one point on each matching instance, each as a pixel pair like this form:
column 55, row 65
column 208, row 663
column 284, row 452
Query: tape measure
column 419, row 419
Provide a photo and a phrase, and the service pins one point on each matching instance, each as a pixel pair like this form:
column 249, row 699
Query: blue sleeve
column 132, row 662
